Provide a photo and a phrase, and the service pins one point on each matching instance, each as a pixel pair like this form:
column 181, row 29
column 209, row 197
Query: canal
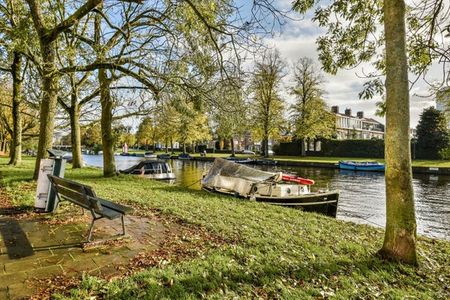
column 362, row 194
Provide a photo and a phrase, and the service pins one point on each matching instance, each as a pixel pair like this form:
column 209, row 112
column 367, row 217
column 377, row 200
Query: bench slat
column 73, row 196
column 110, row 213
column 115, row 206
column 69, row 184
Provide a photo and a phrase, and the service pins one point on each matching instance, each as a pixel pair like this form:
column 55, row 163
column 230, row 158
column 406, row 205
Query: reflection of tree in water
column 435, row 180
column 432, row 196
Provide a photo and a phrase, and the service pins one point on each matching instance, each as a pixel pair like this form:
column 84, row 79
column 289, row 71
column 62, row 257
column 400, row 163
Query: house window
column 318, row 146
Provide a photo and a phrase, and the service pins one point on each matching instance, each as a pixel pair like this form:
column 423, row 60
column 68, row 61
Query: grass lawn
column 272, row 252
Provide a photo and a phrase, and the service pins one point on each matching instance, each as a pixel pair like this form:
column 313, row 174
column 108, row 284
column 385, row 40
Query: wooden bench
column 84, row 196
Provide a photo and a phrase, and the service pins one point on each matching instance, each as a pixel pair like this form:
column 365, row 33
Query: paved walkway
column 38, row 247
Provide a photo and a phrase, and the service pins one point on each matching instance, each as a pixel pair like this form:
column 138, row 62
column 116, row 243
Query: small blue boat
column 361, row 166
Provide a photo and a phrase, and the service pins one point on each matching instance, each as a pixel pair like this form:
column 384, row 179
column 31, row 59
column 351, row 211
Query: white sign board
column 43, row 184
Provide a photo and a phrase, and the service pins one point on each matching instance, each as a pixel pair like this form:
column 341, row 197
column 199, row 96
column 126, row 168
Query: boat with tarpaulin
column 226, row 177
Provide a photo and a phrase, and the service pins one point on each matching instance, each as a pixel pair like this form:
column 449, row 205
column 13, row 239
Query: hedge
column 338, row 148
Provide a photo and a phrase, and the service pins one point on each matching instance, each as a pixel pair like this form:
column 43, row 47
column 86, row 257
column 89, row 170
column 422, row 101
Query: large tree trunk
column 48, row 103
column 109, row 165
column 400, row 235
column 16, row 143
column 75, row 134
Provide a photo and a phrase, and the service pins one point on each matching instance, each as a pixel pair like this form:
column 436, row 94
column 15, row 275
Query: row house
column 356, row 127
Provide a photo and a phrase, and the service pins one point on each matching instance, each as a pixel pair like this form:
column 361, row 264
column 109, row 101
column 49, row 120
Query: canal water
column 362, row 194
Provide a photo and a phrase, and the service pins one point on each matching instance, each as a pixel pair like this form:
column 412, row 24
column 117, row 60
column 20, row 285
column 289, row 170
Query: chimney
column 348, row 112
column 335, row 109
column 360, row 114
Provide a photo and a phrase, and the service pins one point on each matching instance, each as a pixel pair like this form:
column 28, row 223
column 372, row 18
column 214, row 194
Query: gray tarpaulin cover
column 234, row 177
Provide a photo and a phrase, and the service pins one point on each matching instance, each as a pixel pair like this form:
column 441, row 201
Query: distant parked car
column 248, row 152
column 270, row 152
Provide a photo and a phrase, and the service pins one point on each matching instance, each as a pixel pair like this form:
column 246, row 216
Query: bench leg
column 90, row 230
column 123, row 226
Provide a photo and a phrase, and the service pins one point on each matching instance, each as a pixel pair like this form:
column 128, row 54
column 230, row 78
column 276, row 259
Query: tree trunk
column 109, row 165
column 48, row 103
column 184, row 147
column 303, row 147
column 16, row 143
column 264, row 147
column 233, row 152
column 75, row 135
column 400, row 235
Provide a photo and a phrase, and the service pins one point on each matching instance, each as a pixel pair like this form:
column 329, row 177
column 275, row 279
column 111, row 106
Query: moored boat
column 361, row 166
column 226, row 177
column 241, row 160
column 184, row 156
column 150, row 154
column 164, row 156
column 154, row 169
column 266, row 162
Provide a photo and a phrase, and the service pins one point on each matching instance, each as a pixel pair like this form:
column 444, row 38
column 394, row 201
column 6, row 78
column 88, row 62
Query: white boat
column 150, row 155
column 226, row 177
column 154, row 169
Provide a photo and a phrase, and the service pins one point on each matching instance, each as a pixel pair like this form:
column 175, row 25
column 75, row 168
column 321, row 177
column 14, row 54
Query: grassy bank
column 415, row 163
column 334, row 160
column 273, row 252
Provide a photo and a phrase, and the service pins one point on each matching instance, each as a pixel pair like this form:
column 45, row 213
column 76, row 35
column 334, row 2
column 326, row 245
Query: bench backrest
column 75, row 192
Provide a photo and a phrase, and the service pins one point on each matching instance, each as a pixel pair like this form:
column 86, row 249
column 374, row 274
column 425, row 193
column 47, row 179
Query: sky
column 298, row 39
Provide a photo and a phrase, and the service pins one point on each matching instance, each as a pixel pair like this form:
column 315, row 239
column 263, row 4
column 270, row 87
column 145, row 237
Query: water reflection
column 362, row 198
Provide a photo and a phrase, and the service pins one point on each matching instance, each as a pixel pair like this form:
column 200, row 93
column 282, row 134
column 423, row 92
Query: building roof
column 362, row 119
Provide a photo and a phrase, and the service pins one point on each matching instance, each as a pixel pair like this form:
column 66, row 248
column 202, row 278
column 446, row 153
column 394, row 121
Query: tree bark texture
column 109, row 164
column 48, row 103
column 75, row 134
column 16, row 143
column 400, row 235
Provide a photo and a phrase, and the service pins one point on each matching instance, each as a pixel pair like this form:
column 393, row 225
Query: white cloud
column 343, row 88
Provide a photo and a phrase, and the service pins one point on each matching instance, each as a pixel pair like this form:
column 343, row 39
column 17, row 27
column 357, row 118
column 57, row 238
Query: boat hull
column 325, row 203
column 164, row 176
column 361, row 166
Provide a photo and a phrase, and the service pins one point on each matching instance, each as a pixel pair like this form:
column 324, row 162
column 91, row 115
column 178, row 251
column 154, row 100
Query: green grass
column 273, row 252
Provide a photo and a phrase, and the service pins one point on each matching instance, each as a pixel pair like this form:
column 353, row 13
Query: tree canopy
column 432, row 134
column 310, row 114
